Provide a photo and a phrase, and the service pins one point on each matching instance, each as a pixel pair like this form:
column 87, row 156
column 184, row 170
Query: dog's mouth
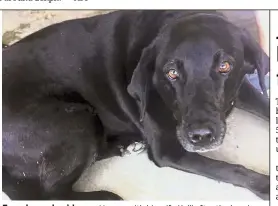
column 201, row 139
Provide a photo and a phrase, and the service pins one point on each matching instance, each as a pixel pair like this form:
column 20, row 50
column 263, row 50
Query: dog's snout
column 200, row 135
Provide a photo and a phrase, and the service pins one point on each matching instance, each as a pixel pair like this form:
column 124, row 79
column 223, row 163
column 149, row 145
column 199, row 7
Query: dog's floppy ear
column 254, row 55
column 141, row 80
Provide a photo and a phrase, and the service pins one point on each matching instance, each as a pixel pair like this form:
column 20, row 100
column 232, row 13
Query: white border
column 137, row 4
column 133, row 203
column 1, row 98
column 273, row 95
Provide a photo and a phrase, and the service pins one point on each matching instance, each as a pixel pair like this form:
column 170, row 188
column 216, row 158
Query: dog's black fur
column 74, row 91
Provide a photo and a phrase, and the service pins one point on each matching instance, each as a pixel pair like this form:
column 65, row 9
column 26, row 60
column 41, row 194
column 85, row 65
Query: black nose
column 200, row 135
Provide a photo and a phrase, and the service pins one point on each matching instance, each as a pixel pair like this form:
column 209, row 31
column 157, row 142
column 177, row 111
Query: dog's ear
column 141, row 80
column 255, row 56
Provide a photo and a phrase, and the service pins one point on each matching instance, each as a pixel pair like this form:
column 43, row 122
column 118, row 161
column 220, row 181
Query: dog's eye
column 224, row 67
column 172, row 74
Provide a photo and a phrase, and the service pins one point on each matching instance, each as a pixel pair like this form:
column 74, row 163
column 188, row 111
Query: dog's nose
column 200, row 135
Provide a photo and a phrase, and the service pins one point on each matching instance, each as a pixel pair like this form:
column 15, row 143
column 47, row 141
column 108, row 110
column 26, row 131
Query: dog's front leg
column 176, row 157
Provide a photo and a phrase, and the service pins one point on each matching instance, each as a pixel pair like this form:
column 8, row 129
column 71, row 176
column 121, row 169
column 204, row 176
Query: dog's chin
column 189, row 147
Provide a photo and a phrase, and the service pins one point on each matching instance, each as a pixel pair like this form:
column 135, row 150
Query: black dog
column 75, row 91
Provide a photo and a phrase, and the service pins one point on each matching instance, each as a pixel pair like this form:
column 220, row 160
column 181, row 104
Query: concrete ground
column 135, row 177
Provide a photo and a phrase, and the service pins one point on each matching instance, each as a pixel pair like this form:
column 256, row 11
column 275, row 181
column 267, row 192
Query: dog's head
column 196, row 65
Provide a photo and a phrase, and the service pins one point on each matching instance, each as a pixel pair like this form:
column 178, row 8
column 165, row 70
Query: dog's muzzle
column 202, row 139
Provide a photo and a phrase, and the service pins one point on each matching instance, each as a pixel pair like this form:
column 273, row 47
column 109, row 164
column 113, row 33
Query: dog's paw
column 134, row 148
